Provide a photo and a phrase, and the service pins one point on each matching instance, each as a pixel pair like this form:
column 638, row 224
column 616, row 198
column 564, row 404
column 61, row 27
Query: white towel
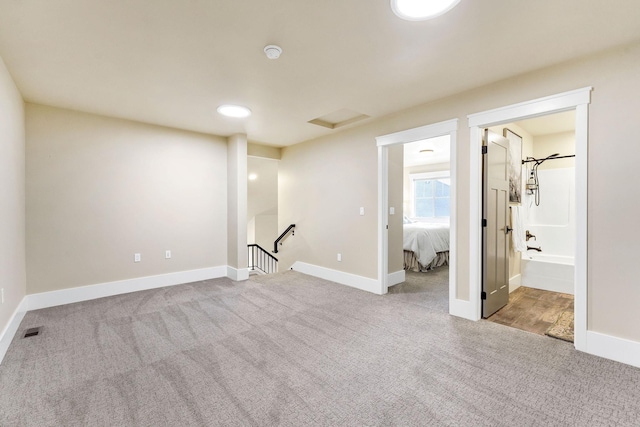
column 518, row 235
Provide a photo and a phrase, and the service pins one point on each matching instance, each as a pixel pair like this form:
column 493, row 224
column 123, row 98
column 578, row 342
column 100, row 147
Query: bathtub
column 548, row 272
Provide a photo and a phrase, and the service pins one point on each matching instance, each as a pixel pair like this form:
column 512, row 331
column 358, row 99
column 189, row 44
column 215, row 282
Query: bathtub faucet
column 530, row 236
column 532, row 248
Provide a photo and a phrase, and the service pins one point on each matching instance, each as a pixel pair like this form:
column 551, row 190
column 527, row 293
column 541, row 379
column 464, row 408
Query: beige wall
column 563, row 143
column 328, row 178
column 264, row 151
column 12, row 197
column 396, row 168
column 321, row 187
column 237, row 201
column 262, row 202
column 101, row 189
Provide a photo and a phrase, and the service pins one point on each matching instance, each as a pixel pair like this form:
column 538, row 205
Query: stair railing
column 261, row 260
column 291, row 228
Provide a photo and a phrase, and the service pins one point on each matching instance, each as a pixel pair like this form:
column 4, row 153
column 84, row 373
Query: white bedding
column 425, row 240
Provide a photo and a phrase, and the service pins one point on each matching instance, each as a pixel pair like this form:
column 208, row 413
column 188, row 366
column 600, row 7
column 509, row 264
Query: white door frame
column 579, row 100
column 449, row 127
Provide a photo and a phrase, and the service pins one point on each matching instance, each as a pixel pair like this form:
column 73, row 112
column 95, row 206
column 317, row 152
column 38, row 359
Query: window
column 430, row 195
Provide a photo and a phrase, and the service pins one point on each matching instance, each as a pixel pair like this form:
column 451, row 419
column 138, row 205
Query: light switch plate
column 392, row 211
column 361, row 211
column 136, row 258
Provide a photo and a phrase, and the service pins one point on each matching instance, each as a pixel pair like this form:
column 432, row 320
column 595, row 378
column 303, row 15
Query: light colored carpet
column 293, row 350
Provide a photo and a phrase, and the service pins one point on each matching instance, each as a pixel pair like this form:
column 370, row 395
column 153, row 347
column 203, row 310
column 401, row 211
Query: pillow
column 406, row 220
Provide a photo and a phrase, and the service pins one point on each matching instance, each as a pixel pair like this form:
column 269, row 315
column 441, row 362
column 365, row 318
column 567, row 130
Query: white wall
column 101, row 189
column 553, row 222
column 12, row 197
column 327, row 179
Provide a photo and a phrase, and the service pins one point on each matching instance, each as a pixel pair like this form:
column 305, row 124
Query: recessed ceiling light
column 234, row 111
column 420, row 10
column 253, row 177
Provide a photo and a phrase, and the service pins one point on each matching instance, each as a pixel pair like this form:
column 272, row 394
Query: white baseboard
column 348, row 279
column 462, row 308
column 12, row 327
column 515, row 282
column 396, row 277
column 614, row 348
column 237, row 274
column 84, row 293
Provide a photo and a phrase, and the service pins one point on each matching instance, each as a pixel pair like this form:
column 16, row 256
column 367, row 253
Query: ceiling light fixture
column 272, row 51
column 253, row 177
column 236, row 111
column 420, row 10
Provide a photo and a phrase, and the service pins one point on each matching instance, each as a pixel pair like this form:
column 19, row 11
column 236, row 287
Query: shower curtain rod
column 548, row 158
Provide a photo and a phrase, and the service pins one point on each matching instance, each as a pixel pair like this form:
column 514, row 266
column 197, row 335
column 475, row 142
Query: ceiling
column 554, row 123
column 172, row 62
column 414, row 154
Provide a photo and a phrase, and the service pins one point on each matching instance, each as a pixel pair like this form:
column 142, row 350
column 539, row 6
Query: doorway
column 541, row 212
column 426, row 209
column 385, row 278
column 577, row 100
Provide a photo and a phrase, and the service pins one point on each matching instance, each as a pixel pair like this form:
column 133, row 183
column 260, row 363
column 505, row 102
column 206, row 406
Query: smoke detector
column 272, row 51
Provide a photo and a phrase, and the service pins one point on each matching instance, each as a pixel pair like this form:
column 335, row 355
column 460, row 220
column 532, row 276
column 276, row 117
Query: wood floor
column 533, row 310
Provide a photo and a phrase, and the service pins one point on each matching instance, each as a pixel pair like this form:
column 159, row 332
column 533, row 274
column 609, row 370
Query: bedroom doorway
column 391, row 206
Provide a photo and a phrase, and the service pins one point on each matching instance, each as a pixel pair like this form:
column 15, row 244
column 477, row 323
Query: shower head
column 546, row 158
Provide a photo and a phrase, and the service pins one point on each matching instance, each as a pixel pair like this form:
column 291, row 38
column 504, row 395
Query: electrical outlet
column 137, row 258
column 167, row 254
column 339, row 257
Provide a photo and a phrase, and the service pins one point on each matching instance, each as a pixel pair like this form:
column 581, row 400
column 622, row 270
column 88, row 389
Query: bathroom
column 541, row 263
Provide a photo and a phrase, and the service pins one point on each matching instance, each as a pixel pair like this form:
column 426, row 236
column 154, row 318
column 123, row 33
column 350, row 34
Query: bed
column 425, row 245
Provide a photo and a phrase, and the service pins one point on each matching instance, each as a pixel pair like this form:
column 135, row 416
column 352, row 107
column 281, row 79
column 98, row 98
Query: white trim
column 12, row 327
column 475, row 214
column 383, row 219
column 101, row 290
column 515, row 282
column 348, row 279
column 578, row 100
column 457, row 307
column 419, row 133
column 614, row 348
column 580, row 279
column 237, row 274
column 530, row 109
column 396, row 278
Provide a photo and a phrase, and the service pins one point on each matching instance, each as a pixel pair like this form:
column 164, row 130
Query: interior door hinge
column 483, row 295
column 484, row 149
column 484, row 222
